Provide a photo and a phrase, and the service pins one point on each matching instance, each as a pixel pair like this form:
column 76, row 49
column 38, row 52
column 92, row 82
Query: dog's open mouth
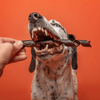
column 42, row 34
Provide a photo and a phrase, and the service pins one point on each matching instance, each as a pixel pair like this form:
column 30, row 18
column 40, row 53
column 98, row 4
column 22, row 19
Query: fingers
column 17, row 46
column 4, row 39
column 19, row 56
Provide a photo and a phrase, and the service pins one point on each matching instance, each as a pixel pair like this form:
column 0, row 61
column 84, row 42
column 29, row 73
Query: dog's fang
column 32, row 35
column 46, row 48
column 42, row 29
column 34, row 30
column 39, row 28
column 46, row 32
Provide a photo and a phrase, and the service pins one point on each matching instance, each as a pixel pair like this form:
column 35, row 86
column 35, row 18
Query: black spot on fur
column 62, row 65
column 44, row 69
column 48, row 89
column 58, row 68
column 75, row 93
column 65, row 98
column 53, row 96
column 51, row 59
column 39, row 86
column 39, row 62
column 43, row 97
column 47, row 61
column 65, row 93
column 51, row 87
column 37, row 80
column 45, row 82
column 55, row 73
column 48, row 71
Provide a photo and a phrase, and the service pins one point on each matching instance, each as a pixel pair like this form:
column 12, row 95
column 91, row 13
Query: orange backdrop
column 79, row 17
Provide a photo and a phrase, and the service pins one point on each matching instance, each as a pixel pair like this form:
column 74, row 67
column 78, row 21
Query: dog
column 55, row 67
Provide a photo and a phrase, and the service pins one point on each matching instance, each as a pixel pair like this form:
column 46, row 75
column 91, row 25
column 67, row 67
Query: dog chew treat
column 74, row 43
column 69, row 43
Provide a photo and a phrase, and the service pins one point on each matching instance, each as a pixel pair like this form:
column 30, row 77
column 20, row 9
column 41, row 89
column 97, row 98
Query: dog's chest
column 54, row 87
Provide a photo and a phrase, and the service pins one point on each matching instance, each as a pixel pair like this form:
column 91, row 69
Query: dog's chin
column 49, row 53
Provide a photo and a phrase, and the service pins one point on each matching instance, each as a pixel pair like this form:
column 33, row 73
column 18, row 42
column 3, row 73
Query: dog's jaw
column 50, row 29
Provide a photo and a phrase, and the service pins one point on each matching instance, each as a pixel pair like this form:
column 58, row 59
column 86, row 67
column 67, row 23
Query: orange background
column 79, row 17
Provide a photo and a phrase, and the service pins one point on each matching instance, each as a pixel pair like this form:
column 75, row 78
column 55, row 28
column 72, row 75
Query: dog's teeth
column 42, row 29
column 39, row 28
column 34, row 29
column 35, row 49
column 46, row 48
column 46, row 32
column 32, row 35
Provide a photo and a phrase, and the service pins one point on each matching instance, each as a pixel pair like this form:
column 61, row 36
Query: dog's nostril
column 37, row 16
column 34, row 16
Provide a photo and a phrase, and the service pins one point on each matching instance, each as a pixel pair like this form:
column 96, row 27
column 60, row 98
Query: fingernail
column 20, row 43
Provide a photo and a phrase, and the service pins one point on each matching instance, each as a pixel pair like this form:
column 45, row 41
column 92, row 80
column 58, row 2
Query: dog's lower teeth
column 46, row 48
column 34, row 29
column 39, row 28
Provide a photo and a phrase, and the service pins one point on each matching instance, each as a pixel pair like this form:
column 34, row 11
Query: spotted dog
column 55, row 67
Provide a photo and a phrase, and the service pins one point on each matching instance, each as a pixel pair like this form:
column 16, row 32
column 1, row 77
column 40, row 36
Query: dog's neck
column 54, row 78
column 56, row 68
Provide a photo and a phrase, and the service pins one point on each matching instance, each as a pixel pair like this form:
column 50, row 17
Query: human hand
column 10, row 52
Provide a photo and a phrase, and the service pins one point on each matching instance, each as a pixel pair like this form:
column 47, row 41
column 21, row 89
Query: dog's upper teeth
column 34, row 29
column 39, row 28
column 46, row 32
column 42, row 29
column 32, row 35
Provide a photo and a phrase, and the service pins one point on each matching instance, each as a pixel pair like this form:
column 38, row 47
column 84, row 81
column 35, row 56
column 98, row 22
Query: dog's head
column 41, row 30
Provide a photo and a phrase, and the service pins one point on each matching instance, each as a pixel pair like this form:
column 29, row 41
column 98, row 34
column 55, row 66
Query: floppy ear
column 74, row 53
column 33, row 62
column 71, row 37
column 74, row 61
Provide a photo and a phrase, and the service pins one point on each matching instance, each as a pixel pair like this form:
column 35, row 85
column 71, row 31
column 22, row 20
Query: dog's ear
column 33, row 62
column 74, row 53
column 71, row 37
column 74, row 61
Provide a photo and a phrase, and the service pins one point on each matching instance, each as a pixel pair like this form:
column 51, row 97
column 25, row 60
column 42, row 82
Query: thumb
column 17, row 46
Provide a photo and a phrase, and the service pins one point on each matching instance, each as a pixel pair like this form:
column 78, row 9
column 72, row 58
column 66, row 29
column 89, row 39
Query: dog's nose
column 33, row 17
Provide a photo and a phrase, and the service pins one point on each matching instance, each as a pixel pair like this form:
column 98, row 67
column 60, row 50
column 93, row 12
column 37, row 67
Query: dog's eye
column 54, row 24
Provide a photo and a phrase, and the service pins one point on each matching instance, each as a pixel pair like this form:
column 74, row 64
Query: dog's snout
column 33, row 17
